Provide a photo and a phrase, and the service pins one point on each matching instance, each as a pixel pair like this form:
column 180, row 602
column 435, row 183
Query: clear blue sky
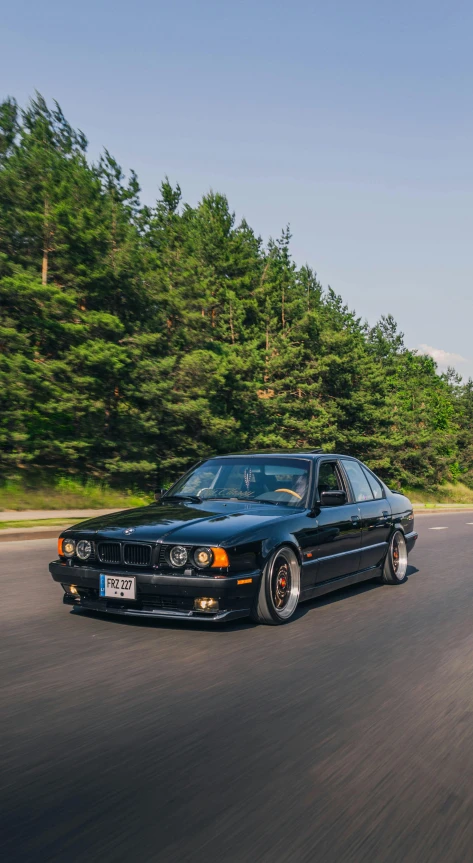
column 352, row 121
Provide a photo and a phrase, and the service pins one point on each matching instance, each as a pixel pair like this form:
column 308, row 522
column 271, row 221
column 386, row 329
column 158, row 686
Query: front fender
column 256, row 553
column 271, row 544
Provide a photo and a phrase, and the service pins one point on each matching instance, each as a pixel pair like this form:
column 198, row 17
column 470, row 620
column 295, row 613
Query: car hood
column 212, row 523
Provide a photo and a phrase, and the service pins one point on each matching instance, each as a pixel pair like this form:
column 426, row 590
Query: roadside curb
column 38, row 514
column 22, row 533
column 47, row 531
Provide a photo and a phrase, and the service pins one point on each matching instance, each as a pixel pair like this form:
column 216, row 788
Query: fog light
column 205, row 603
column 71, row 588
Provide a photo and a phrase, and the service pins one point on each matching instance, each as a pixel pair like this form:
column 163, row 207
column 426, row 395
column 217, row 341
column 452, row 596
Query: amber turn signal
column 59, row 547
column 220, row 557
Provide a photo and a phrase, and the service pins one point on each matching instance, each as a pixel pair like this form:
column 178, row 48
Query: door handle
column 355, row 518
column 386, row 514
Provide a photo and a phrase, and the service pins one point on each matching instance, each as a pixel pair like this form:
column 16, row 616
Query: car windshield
column 267, row 479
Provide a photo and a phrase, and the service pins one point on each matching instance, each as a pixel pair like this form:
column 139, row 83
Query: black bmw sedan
column 245, row 535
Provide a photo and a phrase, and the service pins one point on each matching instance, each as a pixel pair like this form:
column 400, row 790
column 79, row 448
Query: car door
column 375, row 512
column 337, row 532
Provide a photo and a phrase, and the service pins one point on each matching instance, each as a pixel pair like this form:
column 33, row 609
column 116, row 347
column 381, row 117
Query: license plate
column 118, row 586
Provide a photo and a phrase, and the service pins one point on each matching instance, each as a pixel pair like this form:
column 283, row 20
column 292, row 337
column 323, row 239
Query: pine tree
column 136, row 340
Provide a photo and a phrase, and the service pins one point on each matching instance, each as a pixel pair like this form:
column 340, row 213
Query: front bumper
column 162, row 596
column 111, row 607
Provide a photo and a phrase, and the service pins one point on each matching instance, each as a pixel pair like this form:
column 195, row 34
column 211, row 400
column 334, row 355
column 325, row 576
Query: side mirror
column 333, row 498
column 158, row 492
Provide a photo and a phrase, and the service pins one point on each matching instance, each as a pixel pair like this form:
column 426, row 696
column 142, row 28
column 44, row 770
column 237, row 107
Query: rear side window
column 375, row 484
column 359, row 483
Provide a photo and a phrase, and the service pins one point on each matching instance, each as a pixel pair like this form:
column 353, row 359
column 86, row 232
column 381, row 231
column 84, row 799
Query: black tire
column 395, row 563
column 280, row 589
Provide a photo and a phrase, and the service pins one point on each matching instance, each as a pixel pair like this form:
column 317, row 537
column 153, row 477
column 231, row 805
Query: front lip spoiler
column 411, row 539
column 190, row 616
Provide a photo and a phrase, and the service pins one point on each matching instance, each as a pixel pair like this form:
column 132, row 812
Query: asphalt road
column 346, row 735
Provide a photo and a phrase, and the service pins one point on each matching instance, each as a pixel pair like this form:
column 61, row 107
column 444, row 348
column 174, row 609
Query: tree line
column 135, row 340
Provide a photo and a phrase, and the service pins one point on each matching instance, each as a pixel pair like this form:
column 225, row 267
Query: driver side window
column 329, row 478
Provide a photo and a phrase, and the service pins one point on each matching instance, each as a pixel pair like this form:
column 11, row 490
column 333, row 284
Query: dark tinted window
column 329, row 477
column 272, row 479
column 359, row 483
column 375, row 485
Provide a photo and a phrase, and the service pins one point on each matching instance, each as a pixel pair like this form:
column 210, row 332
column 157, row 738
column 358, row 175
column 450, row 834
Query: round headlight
column 68, row 547
column 84, row 549
column 203, row 557
column 178, row 555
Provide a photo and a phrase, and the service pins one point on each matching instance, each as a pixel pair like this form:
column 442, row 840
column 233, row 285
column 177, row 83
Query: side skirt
column 338, row 583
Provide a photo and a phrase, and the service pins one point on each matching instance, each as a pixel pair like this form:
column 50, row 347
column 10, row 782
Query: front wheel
column 280, row 589
column 395, row 564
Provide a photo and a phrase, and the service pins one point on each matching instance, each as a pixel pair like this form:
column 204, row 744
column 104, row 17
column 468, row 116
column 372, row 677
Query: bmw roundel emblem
column 129, row 530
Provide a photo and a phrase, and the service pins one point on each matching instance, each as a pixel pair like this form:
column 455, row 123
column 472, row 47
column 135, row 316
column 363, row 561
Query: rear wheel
column 279, row 590
column 395, row 564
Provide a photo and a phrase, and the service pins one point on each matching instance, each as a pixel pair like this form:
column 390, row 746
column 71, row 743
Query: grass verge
column 68, row 493
column 449, row 492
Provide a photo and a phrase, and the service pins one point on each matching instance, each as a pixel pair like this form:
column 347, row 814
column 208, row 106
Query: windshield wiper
column 194, row 498
column 244, row 500
column 272, row 502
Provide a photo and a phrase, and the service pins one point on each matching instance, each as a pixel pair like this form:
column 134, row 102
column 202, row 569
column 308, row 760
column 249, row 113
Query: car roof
column 287, row 453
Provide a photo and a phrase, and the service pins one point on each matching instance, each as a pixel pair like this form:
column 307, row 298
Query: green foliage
column 136, row 340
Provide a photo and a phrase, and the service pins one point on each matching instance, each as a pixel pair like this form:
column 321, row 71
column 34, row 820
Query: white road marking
column 438, row 528
column 469, row 522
